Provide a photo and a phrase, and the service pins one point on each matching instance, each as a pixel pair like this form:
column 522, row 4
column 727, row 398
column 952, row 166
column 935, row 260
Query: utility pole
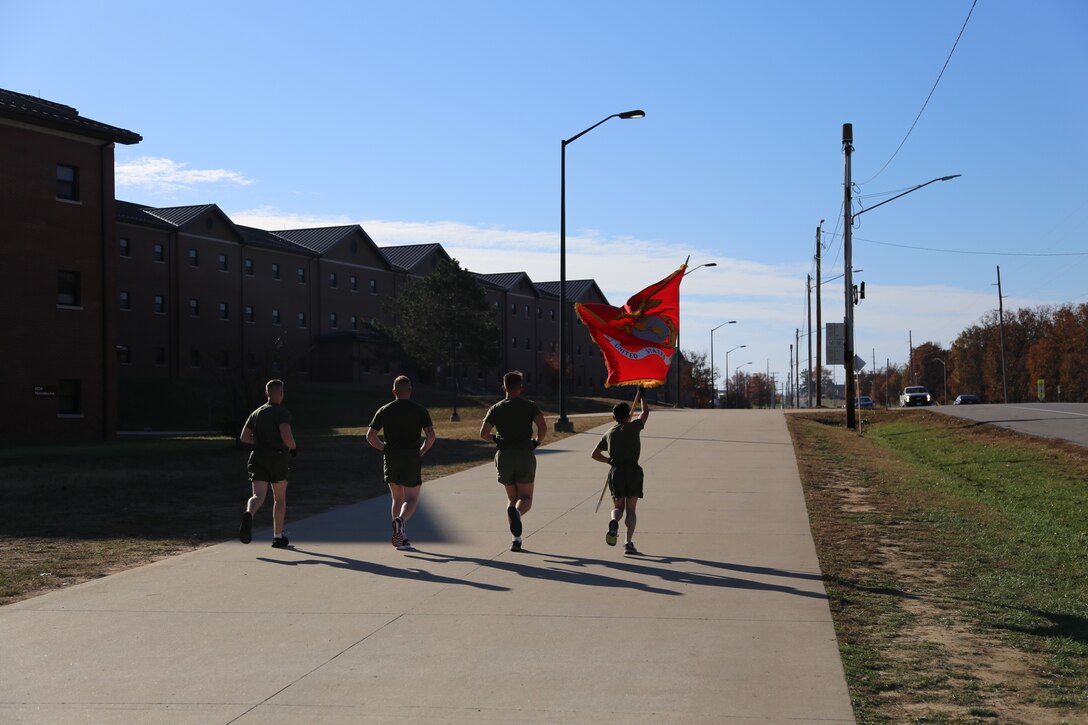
column 1001, row 322
column 910, row 341
column 848, row 268
column 797, row 369
column 808, row 376
column 789, row 374
column 819, row 324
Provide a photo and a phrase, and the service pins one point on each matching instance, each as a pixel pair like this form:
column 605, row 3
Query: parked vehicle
column 966, row 400
column 915, row 395
column 864, row 402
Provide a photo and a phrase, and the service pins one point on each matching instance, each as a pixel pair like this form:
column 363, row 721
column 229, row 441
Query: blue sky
column 442, row 121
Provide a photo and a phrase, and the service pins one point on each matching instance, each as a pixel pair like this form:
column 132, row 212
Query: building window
column 302, row 275
column 540, row 346
column 249, row 313
column 124, row 355
column 332, row 279
column 332, row 320
column 126, row 302
column 194, row 258
column 513, row 308
column 539, row 313
column 354, row 322
column 527, row 311
column 275, row 317
column 373, row 286
column 248, row 265
column 160, row 355
column 224, row 264
column 125, row 248
column 158, row 253
column 552, row 314
column 160, row 304
column 224, row 311
column 194, row 358
column 513, row 342
column 528, row 344
column 67, row 182
column 69, row 397
column 553, row 346
column 302, row 319
column 68, row 288
column 579, row 348
column 275, row 271
column 354, row 283
column 194, row 308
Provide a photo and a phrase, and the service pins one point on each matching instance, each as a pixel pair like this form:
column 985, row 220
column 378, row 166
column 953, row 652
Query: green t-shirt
column 622, row 442
column 403, row 422
column 513, row 419
column 265, row 424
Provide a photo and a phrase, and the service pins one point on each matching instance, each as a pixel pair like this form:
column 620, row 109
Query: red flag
column 638, row 340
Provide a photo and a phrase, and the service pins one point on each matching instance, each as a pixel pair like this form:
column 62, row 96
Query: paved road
column 723, row 620
column 1067, row 421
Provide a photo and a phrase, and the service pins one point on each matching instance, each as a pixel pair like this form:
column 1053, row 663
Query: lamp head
column 632, row 114
column 711, row 264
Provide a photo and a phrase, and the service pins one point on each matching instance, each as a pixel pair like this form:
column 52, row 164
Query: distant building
column 58, row 290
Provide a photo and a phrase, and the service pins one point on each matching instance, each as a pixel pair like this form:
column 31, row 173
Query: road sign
column 836, row 342
column 859, row 364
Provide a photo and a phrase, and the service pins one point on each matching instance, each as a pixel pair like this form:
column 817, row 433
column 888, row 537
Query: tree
column 696, row 381
column 443, row 319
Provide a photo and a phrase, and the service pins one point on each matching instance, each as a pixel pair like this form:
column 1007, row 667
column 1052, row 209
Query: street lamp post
column 848, row 260
column 713, row 372
column 564, row 424
column 738, row 371
column 727, row 369
column 678, row 355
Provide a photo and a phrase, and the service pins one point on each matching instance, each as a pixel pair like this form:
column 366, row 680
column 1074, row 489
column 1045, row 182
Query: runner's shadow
column 688, row 577
column 370, row 567
column 557, row 574
column 744, row 568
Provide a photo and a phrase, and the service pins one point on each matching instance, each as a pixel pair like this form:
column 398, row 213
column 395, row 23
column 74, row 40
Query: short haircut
column 401, row 383
column 512, row 379
column 621, row 411
column 273, row 384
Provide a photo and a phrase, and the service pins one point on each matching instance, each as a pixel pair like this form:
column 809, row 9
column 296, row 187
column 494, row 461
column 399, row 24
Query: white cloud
column 158, row 175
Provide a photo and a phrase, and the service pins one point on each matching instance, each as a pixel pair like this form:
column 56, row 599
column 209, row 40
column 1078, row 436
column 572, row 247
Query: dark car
column 966, row 400
column 865, row 402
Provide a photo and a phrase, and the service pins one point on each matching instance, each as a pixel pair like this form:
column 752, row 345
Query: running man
column 513, row 419
column 404, row 423
column 620, row 448
column 268, row 430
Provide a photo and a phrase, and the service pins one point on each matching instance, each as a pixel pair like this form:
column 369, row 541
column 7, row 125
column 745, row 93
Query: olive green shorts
column 404, row 467
column 268, row 467
column 625, row 481
column 515, row 465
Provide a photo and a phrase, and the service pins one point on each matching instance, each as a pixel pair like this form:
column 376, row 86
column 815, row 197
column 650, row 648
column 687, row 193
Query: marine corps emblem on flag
column 638, row 340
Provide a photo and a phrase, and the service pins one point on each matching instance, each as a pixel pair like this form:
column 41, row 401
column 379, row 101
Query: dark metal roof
column 577, row 289
column 130, row 213
column 319, row 240
column 40, row 112
column 261, row 238
column 405, row 257
column 179, row 216
column 506, row 280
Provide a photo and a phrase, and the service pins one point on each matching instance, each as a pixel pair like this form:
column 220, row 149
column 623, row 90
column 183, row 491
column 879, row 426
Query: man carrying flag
column 637, row 342
column 620, row 448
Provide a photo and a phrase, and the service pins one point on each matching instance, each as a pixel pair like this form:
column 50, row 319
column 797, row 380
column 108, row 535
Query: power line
column 931, row 90
column 968, row 251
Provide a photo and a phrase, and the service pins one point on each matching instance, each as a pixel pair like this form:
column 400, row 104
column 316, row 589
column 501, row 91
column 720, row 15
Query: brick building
column 99, row 290
column 58, row 370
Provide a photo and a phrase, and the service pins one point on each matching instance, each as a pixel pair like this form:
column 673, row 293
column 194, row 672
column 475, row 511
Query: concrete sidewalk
column 723, row 619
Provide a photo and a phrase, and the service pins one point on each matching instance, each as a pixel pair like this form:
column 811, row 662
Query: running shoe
column 515, row 520
column 515, row 545
column 398, row 532
column 629, row 548
column 245, row 531
column 406, row 546
column 613, row 528
column 279, row 542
